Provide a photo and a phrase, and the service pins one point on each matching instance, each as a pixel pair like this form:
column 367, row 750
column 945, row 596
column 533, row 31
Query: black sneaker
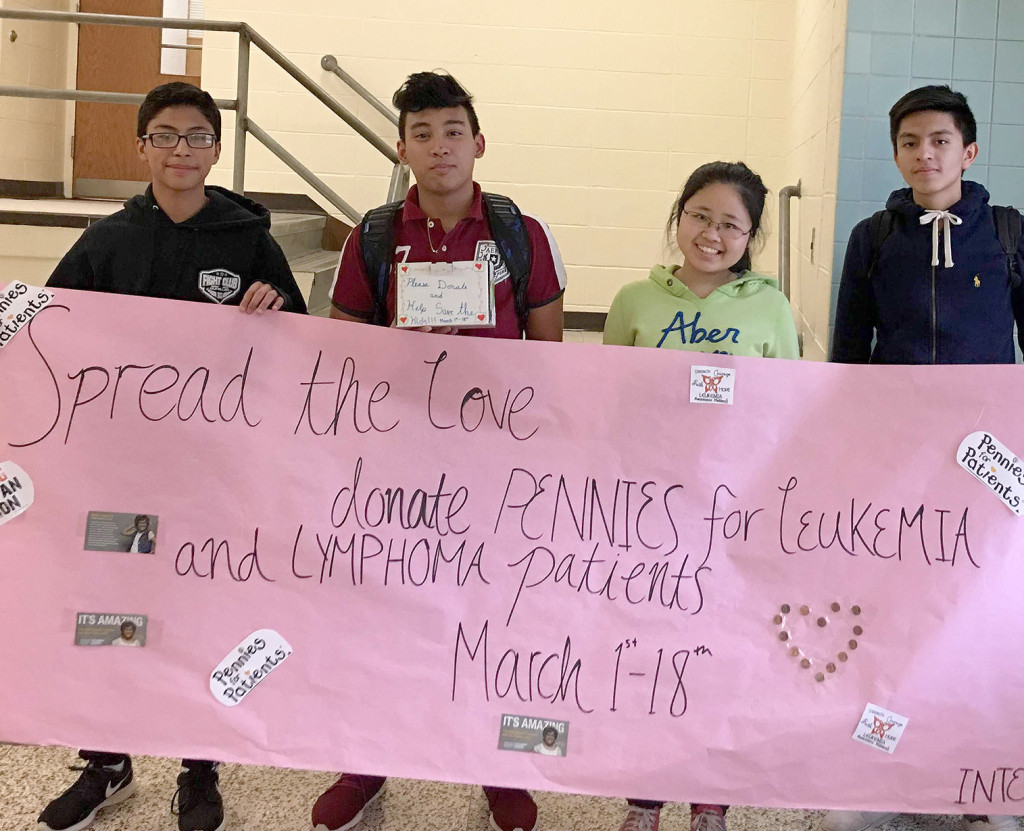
column 199, row 803
column 98, row 787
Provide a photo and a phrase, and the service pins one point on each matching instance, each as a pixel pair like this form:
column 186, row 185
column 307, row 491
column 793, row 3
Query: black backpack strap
column 880, row 227
column 377, row 239
column 513, row 242
column 1008, row 229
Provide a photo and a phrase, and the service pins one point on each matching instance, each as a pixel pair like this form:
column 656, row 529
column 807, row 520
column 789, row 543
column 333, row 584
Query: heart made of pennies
column 820, row 641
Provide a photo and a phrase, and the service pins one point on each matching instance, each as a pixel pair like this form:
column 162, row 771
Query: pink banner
column 359, row 549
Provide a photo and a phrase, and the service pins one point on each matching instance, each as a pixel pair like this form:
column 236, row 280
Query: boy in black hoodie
column 180, row 240
column 929, row 302
column 183, row 239
column 921, row 301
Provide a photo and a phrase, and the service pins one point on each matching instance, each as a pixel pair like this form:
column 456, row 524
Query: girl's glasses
column 726, row 229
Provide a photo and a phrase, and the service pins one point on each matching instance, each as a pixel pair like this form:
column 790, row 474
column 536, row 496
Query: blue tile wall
column 976, row 46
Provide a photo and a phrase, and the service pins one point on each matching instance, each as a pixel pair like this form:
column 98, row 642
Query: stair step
column 298, row 234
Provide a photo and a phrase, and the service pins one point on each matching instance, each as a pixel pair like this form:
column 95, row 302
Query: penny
column 822, row 622
column 820, row 676
column 805, row 610
column 777, row 620
column 835, row 607
column 857, row 630
column 830, row 667
column 784, row 636
column 842, row 656
column 785, row 608
column 805, row 663
column 855, row 610
column 852, row 644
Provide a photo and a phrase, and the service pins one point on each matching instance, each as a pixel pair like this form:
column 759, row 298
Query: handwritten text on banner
column 447, row 530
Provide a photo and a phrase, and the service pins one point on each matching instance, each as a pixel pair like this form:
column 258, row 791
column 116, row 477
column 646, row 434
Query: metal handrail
column 243, row 125
column 330, row 64
column 307, row 175
column 399, row 184
column 785, row 194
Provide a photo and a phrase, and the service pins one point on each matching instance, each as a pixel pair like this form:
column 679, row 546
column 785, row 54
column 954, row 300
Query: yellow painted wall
column 819, row 37
column 34, row 139
column 594, row 113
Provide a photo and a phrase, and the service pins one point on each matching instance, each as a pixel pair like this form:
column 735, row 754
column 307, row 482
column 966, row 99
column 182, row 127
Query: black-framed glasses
column 165, row 141
column 726, row 229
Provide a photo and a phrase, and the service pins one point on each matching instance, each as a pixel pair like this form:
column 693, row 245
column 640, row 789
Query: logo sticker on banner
column 711, row 385
column 16, row 491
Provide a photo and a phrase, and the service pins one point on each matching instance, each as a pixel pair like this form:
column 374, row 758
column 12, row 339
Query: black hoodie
column 212, row 257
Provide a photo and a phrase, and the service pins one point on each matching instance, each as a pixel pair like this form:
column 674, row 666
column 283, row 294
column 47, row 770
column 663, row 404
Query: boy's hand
column 259, row 297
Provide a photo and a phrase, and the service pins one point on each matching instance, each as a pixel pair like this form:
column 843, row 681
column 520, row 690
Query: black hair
column 141, row 516
column 939, row 99
column 746, row 183
column 128, row 624
column 178, row 94
column 432, row 91
column 549, row 729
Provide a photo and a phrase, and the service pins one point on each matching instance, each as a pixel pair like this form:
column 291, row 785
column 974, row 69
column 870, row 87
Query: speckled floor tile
column 270, row 798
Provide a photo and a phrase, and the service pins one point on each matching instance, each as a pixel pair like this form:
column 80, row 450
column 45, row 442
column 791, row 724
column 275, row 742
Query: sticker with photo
column 529, row 734
column 109, row 629
column 110, row 531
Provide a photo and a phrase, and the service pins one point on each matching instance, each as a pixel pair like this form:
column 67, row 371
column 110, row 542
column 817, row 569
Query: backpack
column 1008, row 230
column 377, row 236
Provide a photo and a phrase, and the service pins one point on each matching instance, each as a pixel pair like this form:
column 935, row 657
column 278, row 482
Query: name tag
column 444, row 294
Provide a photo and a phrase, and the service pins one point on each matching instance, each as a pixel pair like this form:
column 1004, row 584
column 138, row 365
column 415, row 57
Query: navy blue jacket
column 923, row 314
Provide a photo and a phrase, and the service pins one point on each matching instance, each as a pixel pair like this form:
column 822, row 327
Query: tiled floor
column 269, row 798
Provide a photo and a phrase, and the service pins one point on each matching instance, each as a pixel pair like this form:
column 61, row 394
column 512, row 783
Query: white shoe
column 991, row 822
column 641, row 819
column 861, row 821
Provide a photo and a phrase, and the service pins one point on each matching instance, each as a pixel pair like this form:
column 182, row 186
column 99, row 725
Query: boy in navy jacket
column 931, row 282
column 940, row 288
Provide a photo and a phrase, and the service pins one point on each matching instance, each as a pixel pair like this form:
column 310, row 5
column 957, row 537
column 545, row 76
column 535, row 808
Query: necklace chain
column 430, row 242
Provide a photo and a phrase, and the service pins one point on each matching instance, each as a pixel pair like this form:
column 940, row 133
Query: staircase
column 302, row 237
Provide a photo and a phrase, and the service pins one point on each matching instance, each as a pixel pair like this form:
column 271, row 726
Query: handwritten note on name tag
column 444, row 294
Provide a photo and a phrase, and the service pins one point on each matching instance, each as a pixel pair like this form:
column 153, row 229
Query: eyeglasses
column 726, row 229
column 165, row 141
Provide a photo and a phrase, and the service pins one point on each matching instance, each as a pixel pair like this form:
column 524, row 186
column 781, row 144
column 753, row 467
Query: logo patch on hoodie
column 219, row 284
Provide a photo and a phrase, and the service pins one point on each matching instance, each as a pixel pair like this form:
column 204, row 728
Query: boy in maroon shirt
column 444, row 219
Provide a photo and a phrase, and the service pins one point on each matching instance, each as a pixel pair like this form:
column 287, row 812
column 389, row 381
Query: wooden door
column 114, row 59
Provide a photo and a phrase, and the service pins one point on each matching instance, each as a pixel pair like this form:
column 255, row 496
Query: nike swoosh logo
column 112, row 788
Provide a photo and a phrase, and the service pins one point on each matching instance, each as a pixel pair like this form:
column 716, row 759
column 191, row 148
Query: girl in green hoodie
column 713, row 302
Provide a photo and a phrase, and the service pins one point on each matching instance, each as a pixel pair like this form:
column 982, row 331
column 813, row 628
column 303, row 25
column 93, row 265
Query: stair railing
column 244, row 125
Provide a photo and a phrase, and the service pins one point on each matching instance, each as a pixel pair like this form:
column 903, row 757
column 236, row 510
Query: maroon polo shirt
column 420, row 239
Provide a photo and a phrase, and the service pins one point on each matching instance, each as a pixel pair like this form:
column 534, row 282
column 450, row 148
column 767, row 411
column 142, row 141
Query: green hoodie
column 746, row 316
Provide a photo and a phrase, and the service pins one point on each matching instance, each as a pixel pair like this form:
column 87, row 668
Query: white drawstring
column 945, row 218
